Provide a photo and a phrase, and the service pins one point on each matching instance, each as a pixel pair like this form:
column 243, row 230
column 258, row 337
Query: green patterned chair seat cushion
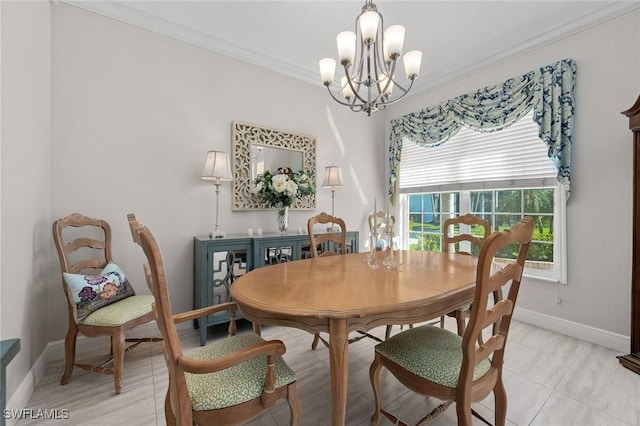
column 120, row 312
column 464, row 307
column 237, row 384
column 430, row 352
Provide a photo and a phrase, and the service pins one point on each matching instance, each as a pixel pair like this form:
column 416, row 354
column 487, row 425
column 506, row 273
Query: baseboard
column 55, row 351
column 608, row 339
column 23, row 393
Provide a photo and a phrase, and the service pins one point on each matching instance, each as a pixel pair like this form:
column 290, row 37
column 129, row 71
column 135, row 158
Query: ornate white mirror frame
column 245, row 137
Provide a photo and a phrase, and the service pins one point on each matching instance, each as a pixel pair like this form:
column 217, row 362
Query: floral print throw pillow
column 92, row 292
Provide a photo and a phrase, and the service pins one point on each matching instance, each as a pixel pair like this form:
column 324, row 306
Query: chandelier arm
column 390, row 77
column 341, row 102
column 380, row 60
column 399, row 86
column 404, row 92
column 354, row 89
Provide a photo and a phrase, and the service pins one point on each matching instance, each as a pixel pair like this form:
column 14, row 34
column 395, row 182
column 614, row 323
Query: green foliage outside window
column 502, row 208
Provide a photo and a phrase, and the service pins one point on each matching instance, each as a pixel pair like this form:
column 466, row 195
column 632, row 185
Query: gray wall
column 599, row 209
column 134, row 114
column 25, row 174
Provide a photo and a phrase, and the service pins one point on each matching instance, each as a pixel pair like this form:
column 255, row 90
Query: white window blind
column 470, row 160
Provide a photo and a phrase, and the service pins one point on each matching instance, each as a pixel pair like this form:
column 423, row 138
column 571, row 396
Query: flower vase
column 283, row 219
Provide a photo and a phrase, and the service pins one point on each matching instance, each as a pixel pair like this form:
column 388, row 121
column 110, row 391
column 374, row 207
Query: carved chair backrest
column 496, row 313
column 337, row 240
column 172, row 347
column 83, row 244
column 450, row 240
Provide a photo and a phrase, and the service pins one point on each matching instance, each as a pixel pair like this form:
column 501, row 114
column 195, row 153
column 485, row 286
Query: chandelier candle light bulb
column 346, row 41
column 393, row 41
column 327, row 69
column 369, row 68
column 412, row 62
column 369, row 26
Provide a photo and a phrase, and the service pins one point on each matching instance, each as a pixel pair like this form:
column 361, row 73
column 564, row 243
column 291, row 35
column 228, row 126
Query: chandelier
column 369, row 63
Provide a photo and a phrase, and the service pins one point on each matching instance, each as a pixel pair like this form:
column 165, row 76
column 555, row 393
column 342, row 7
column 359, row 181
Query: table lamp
column 217, row 169
column 333, row 180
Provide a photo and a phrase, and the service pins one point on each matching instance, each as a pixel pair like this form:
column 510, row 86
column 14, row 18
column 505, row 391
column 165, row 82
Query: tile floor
column 551, row 380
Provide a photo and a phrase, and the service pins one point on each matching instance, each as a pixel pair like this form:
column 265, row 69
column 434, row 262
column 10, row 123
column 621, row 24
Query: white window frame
column 536, row 176
column 556, row 275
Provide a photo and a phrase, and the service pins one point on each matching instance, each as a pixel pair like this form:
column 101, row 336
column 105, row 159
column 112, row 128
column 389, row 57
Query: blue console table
column 218, row 262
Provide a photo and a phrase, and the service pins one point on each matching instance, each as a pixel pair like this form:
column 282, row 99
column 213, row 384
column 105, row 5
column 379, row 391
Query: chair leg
column 463, row 410
column 295, row 406
column 461, row 321
column 169, row 417
column 374, row 377
column 442, row 321
column 387, row 332
column 117, row 341
column 316, row 340
column 69, row 353
column 500, row 400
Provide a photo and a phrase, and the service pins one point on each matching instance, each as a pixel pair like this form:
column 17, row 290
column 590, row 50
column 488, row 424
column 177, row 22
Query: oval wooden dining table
column 340, row 294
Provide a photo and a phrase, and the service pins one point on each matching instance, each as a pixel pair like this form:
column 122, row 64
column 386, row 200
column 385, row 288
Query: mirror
column 264, row 157
column 256, row 149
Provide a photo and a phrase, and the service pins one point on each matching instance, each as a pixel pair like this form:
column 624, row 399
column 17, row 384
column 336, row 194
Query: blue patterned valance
column 549, row 91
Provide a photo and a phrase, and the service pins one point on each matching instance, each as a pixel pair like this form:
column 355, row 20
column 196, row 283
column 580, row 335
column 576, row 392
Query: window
column 501, row 177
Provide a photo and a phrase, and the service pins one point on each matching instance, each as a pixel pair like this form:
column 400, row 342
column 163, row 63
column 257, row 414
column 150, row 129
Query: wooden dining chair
column 436, row 362
column 100, row 300
column 317, row 243
column 328, row 243
column 381, row 223
column 464, row 243
column 227, row 382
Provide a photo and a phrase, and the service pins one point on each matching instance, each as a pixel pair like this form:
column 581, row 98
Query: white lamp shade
column 217, row 167
column 412, row 62
column 346, row 42
column 346, row 89
column 332, row 177
column 393, row 41
column 369, row 25
column 327, row 69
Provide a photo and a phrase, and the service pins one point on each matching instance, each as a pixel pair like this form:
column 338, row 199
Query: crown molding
column 127, row 14
column 580, row 23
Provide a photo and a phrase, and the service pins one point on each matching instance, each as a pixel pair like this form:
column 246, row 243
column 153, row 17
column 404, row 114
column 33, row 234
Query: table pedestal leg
column 339, row 363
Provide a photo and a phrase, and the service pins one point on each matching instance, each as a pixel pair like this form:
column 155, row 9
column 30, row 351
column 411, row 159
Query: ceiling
column 289, row 37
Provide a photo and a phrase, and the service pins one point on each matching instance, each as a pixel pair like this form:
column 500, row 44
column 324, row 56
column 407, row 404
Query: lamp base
column 217, row 234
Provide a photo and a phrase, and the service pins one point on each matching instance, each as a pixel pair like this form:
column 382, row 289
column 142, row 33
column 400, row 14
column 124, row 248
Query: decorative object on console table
column 283, row 218
column 332, row 180
column 217, row 169
column 632, row 360
column 370, row 78
column 280, row 189
column 214, row 275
